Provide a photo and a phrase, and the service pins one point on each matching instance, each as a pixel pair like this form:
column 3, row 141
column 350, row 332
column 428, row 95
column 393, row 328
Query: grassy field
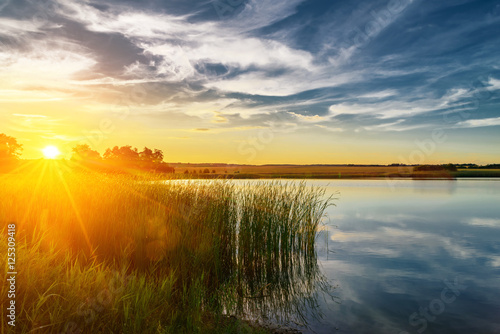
column 322, row 171
column 296, row 171
column 100, row 253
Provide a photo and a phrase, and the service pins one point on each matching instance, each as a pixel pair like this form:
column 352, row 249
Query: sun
column 51, row 152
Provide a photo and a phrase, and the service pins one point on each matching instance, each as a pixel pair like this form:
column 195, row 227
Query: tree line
column 121, row 158
column 114, row 159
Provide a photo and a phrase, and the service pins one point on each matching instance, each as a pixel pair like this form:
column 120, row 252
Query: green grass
column 103, row 253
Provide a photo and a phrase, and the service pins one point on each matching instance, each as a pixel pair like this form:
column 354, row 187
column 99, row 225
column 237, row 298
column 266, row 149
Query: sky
column 255, row 81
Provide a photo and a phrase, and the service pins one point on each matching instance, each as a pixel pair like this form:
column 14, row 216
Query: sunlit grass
column 116, row 253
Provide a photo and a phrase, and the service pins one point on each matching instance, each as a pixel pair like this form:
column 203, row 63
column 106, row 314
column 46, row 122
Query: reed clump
column 101, row 253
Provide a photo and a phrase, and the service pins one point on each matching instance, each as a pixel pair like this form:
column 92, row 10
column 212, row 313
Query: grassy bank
column 107, row 254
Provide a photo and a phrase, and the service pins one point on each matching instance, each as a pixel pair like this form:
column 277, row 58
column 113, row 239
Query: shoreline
column 332, row 177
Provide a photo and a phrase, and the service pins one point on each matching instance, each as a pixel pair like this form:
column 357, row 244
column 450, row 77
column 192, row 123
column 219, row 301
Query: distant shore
column 209, row 171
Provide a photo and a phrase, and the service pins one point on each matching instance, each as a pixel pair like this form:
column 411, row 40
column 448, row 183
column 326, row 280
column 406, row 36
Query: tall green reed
column 193, row 250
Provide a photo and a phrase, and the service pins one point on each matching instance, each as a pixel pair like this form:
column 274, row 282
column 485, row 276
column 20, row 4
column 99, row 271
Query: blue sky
column 256, row 81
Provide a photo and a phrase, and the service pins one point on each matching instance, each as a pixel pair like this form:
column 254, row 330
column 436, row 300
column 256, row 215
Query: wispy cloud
column 475, row 123
column 323, row 65
column 379, row 95
column 486, row 222
column 330, row 129
column 309, row 118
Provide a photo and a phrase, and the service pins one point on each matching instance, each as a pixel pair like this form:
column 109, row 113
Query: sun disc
column 50, row 152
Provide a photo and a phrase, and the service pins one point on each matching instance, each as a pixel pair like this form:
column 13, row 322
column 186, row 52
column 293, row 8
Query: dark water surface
column 411, row 257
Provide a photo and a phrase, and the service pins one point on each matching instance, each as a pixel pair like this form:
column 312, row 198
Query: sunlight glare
column 51, row 152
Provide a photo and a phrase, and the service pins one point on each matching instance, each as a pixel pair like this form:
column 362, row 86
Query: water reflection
column 278, row 276
column 395, row 247
column 257, row 245
column 394, row 251
column 436, row 187
column 284, row 291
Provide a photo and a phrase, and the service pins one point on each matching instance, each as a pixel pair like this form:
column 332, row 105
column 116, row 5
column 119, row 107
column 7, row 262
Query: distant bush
column 491, row 166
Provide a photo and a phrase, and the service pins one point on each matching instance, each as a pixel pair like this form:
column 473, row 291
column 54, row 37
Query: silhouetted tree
column 149, row 155
column 83, row 152
column 122, row 154
column 157, row 155
column 146, row 154
column 130, row 158
column 10, row 149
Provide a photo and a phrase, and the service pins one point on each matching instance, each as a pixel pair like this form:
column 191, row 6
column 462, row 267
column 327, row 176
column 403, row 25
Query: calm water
column 408, row 257
column 412, row 257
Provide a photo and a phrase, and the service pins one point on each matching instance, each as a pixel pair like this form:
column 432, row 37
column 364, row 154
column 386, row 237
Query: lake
column 411, row 256
column 407, row 256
